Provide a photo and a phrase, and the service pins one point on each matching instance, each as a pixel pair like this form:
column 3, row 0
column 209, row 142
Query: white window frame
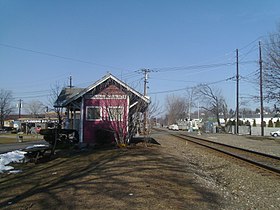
column 93, row 107
column 119, row 118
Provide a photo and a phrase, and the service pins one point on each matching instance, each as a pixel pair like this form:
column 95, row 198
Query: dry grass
column 136, row 178
column 12, row 138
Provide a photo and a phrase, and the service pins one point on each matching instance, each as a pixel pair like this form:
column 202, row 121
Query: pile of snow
column 16, row 157
column 43, row 146
column 10, row 157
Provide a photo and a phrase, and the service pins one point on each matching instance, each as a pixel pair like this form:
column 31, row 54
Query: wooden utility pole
column 145, row 71
column 19, row 108
column 261, row 89
column 237, row 94
column 70, row 82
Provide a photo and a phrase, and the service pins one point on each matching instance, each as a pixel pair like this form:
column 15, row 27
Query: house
column 106, row 111
column 26, row 121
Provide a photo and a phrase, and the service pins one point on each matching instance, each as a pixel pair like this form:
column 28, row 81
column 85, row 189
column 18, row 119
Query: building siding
column 104, row 127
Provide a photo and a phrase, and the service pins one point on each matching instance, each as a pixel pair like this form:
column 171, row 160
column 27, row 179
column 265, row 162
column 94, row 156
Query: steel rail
column 225, row 149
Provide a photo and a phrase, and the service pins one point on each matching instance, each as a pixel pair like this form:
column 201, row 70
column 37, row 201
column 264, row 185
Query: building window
column 93, row 113
column 115, row 113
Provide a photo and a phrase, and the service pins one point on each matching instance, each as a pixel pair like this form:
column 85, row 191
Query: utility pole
column 145, row 71
column 70, row 82
column 261, row 89
column 198, row 111
column 237, row 94
column 19, row 108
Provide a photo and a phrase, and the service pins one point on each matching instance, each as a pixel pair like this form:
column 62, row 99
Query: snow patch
column 37, row 146
column 10, row 157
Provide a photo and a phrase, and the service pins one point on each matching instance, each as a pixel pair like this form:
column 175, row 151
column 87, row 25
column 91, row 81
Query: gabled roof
column 65, row 95
column 68, row 95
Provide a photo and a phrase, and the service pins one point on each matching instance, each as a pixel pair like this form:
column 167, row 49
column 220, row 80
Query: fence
column 249, row 130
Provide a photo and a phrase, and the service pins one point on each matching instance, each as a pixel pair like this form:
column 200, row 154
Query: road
column 17, row 146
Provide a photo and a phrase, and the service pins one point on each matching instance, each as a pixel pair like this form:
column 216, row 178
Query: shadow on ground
column 136, row 178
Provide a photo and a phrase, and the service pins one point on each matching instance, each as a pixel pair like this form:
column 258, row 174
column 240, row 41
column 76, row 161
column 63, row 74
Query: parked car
column 275, row 133
column 3, row 130
column 173, row 127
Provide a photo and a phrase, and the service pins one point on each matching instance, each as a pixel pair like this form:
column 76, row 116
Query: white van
column 173, row 127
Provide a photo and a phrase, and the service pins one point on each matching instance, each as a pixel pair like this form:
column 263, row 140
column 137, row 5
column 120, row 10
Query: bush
column 254, row 123
column 229, row 123
column 247, row 123
column 270, row 123
column 277, row 124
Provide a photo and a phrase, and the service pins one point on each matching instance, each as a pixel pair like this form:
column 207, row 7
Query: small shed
column 104, row 112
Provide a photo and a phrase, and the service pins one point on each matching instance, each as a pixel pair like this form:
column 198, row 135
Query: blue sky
column 44, row 42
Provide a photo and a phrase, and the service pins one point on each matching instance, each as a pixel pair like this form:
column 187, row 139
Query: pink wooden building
column 106, row 110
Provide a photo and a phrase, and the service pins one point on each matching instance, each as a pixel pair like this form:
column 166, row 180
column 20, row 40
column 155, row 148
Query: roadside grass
column 13, row 138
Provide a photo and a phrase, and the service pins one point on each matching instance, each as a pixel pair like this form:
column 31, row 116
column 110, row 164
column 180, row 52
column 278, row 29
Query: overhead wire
column 192, row 67
column 58, row 56
column 133, row 74
column 175, row 80
column 185, row 88
column 36, row 96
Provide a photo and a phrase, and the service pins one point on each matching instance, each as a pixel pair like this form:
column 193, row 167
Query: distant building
column 26, row 122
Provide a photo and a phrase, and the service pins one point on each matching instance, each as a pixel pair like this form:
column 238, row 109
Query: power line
column 36, row 96
column 252, row 42
column 57, row 56
column 169, row 91
column 199, row 67
column 244, row 55
column 175, row 80
column 34, row 92
column 186, row 88
column 192, row 67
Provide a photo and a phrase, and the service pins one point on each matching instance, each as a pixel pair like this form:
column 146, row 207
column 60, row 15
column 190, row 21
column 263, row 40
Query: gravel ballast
column 239, row 186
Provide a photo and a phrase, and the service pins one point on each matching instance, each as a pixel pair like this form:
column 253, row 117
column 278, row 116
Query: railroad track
column 265, row 161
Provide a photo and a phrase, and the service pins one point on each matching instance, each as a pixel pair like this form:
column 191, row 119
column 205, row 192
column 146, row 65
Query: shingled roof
column 68, row 95
column 65, row 95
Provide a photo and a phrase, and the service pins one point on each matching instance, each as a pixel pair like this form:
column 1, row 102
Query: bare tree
column 212, row 100
column 6, row 108
column 117, row 124
column 224, row 110
column 271, row 74
column 176, row 108
column 34, row 107
column 154, row 111
column 55, row 92
column 120, row 121
column 56, row 89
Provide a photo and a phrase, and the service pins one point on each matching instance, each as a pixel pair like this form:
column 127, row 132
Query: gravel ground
column 238, row 186
column 268, row 145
